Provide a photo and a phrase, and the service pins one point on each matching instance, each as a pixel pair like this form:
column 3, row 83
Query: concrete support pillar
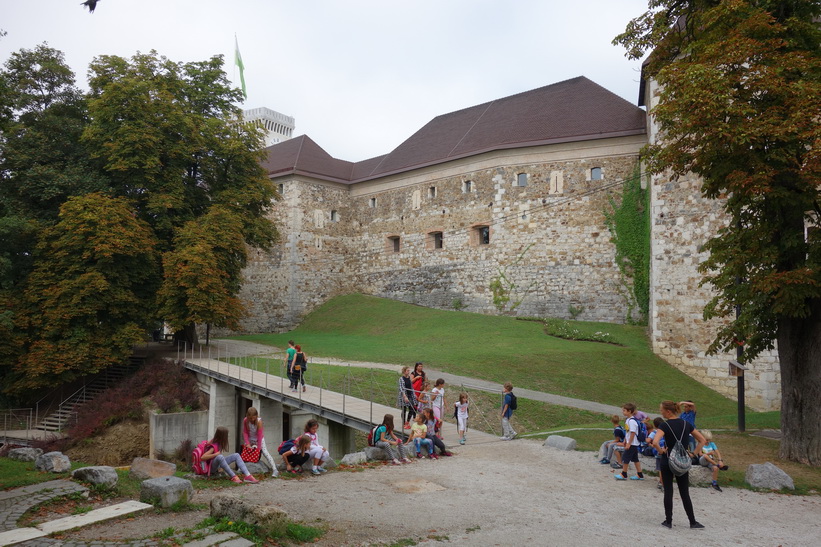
column 222, row 409
column 271, row 413
column 341, row 440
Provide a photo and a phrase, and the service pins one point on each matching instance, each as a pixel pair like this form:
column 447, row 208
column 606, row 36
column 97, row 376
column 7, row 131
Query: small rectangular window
column 372, row 202
column 435, row 240
column 432, row 192
column 467, row 187
column 281, row 189
column 596, row 173
column 480, row 235
column 334, row 216
column 521, row 179
column 394, row 244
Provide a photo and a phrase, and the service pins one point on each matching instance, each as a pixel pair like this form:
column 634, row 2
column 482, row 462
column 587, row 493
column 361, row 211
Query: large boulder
column 145, row 468
column 375, row 453
column 562, row 443
column 25, row 454
column 101, row 475
column 53, row 462
column 767, row 475
column 355, row 458
column 166, row 491
column 257, row 468
column 271, row 519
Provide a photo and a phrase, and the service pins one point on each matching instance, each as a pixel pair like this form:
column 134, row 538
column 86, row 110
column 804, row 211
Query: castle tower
column 278, row 127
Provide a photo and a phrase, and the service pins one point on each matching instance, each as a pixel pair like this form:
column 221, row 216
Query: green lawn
column 500, row 349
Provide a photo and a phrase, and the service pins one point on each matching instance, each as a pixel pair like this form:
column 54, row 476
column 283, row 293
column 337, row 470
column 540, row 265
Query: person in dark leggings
column 406, row 399
column 430, row 421
column 673, row 430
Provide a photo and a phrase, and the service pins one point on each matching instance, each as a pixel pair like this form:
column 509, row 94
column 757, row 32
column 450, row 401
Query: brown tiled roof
column 573, row 110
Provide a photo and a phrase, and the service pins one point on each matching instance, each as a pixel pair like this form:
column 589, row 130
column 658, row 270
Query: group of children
column 636, row 438
column 295, row 452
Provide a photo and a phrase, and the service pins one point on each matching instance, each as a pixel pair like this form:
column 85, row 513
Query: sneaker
column 434, row 457
column 636, row 478
column 660, row 486
column 716, row 486
column 236, row 479
column 513, row 436
column 619, row 477
column 447, row 453
column 406, row 425
column 251, row 479
column 614, row 465
column 418, row 454
column 461, row 441
column 604, row 461
column 405, row 460
column 274, row 474
column 315, row 471
column 396, row 462
column 667, row 524
column 504, row 438
column 696, row 525
column 322, row 470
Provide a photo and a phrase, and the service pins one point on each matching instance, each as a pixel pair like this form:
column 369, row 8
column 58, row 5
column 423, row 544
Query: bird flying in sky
column 90, row 4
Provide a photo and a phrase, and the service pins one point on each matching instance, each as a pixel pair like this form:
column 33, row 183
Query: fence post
column 370, row 397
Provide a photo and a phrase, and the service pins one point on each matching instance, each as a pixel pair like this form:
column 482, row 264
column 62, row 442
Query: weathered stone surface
column 25, row 454
column 168, row 490
column 354, row 458
column 53, row 462
column 100, row 475
column 562, row 443
column 257, row 468
column 767, row 475
column 249, row 511
column 144, row 468
column 374, row 453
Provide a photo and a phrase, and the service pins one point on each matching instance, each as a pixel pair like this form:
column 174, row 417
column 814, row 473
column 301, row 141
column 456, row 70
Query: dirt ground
column 505, row 493
column 117, row 446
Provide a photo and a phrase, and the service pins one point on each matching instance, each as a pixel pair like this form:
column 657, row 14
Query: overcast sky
column 359, row 76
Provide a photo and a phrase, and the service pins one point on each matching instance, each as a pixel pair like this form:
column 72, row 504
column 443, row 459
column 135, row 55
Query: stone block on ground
column 98, row 475
column 330, row 464
column 767, row 475
column 25, row 454
column 53, row 462
column 268, row 517
column 354, row 458
column 562, row 443
column 375, row 453
column 166, row 490
column 258, row 468
column 145, row 468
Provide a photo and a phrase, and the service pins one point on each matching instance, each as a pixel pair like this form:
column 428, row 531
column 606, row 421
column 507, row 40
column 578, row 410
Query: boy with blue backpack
column 636, row 434
column 615, row 446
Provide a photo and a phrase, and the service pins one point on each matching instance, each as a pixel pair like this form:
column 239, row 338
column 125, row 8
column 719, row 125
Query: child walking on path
column 508, row 406
column 631, row 444
column 300, row 366
column 214, row 455
column 317, row 451
column 386, row 439
column 461, row 411
column 419, row 436
column 290, row 354
column 254, row 436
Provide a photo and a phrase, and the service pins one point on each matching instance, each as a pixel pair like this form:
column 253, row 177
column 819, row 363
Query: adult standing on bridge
column 300, row 366
column 290, row 353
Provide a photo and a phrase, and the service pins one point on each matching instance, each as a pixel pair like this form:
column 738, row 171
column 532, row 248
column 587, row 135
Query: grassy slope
column 499, row 349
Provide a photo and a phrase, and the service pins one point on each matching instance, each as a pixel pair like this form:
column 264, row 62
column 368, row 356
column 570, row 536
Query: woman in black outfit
column 672, row 430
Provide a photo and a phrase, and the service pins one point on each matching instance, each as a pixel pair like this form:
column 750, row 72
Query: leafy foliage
column 738, row 104
column 158, row 146
column 629, row 224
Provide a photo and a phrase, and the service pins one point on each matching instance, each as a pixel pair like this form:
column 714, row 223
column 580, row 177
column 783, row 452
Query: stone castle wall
column 682, row 220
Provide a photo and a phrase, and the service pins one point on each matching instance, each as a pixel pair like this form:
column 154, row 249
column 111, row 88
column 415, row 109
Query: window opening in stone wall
column 596, row 173
column 281, row 189
column 467, row 186
column 521, row 179
column 437, row 240
column 372, row 202
column 416, row 199
column 432, row 192
column 334, row 216
column 482, row 234
column 556, row 182
column 394, row 243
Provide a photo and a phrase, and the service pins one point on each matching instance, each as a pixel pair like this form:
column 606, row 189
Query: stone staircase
column 67, row 410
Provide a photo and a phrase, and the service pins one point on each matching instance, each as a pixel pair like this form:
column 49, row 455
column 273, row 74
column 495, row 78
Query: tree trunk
column 799, row 352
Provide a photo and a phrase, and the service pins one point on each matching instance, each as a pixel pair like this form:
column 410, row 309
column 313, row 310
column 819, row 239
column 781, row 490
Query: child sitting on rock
column 711, row 457
column 614, row 446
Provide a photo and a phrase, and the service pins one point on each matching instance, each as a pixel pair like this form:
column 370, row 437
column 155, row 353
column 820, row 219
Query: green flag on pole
column 240, row 65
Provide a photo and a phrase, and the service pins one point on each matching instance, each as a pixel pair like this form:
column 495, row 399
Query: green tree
column 90, row 295
column 739, row 105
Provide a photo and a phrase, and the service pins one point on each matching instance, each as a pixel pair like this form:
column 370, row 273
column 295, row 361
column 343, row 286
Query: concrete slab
column 213, row 539
column 239, row 542
column 19, row 535
column 96, row 515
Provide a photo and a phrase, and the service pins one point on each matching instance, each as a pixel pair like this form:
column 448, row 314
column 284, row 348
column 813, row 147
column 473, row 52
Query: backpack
column 200, row 467
column 513, row 403
column 677, row 458
column 641, row 433
column 285, row 446
column 299, row 361
column 372, row 435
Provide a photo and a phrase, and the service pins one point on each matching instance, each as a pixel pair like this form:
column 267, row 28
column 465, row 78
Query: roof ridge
column 455, row 146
